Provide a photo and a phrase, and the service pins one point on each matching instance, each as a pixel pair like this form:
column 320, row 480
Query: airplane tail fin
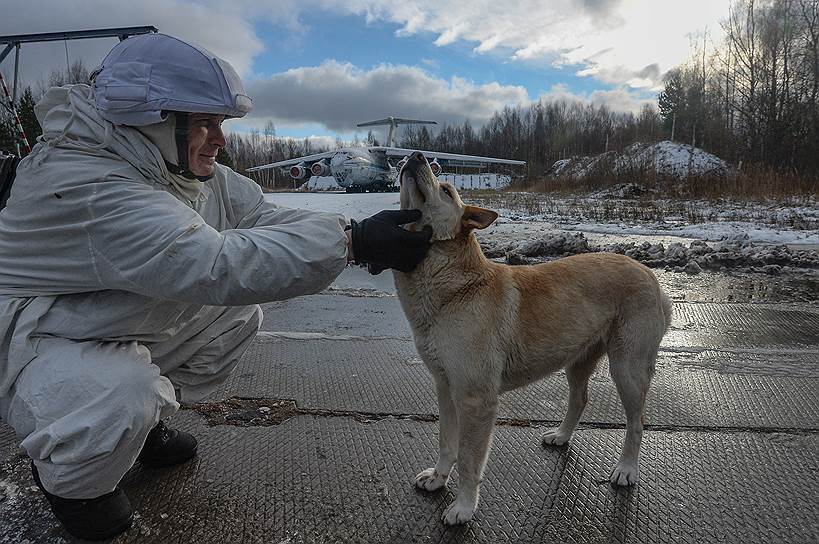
column 394, row 122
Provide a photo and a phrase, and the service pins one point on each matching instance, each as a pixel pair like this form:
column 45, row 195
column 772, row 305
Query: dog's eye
column 446, row 190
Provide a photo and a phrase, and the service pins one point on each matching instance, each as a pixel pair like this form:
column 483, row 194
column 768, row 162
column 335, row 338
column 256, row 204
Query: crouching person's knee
column 99, row 434
column 142, row 399
column 245, row 321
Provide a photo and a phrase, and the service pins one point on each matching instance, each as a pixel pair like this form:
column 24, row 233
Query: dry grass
column 792, row 212
column 753, row 183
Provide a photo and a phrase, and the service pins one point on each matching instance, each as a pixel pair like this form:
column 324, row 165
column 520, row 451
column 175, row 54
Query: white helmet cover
column 144, row 75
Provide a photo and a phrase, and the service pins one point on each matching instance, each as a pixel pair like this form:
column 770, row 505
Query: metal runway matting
column 730, row 452
column 323, row 480
column 385, row 376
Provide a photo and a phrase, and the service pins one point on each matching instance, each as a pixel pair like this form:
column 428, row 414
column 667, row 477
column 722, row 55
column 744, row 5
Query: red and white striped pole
column 16, row 117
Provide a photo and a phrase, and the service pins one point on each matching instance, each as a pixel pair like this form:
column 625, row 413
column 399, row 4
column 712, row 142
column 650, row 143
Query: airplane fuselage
column 355, row 169
column 361, row 169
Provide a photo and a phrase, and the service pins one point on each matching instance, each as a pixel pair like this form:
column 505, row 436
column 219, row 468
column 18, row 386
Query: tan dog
column 483, row 328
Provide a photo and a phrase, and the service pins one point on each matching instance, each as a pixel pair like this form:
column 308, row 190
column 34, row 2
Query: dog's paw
column 555, row 437
column 625, row 474
column 429, row 480
column 457, row 513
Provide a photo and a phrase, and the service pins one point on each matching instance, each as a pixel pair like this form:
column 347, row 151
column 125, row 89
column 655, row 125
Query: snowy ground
column 749, row 242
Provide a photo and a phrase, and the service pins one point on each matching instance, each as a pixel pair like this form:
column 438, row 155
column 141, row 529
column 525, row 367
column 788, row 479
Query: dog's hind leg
column 476, row 421
column 631, row 370
column 577, row 374
column 435, row 478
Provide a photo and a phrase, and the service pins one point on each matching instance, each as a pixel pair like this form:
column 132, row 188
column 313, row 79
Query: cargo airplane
column 373, row 168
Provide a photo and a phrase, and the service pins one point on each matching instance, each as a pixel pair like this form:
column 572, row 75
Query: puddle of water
column 738, row 287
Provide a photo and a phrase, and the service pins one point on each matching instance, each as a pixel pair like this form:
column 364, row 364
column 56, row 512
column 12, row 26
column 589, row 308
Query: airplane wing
column 307, row 160
column 453, row 159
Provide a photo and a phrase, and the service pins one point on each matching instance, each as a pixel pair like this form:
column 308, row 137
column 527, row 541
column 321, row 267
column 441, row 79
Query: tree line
column 539, row 134
column 753, row 97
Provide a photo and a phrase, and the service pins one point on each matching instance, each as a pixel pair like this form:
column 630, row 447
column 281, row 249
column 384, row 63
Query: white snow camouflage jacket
column 93, row 224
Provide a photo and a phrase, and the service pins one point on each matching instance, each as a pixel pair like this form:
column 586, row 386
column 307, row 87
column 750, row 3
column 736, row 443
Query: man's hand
column 380, row 241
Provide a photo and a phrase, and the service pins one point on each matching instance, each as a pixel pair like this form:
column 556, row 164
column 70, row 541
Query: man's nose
column 217, row 136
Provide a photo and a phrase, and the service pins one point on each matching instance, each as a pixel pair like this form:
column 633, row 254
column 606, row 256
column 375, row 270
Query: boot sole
column 167, row 461
column 106, row 535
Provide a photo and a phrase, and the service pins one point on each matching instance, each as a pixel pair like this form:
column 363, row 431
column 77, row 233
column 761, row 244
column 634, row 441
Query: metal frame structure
column 16, row 41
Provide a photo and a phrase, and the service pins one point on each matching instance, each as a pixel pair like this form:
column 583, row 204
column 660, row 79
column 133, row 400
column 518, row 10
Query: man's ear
column 477, row 218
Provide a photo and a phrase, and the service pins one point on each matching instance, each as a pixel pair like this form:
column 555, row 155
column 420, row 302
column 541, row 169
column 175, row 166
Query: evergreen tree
column 672, row 102
column 7, row 134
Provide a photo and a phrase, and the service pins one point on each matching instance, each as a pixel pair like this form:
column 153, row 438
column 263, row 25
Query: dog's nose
column 418, row 157
column 415, row 161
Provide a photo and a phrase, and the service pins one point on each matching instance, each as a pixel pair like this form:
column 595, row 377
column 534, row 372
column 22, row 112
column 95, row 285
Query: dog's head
column 441, row 206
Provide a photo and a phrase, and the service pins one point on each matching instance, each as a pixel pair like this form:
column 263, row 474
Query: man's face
column 205, row 139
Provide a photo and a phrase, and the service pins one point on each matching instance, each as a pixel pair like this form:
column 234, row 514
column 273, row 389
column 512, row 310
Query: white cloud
column 621, row 99
column 338, row 95
column 611, row 40
column 217, row 28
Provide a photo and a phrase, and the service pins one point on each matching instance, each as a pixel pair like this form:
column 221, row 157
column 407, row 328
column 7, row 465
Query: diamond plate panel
column 386, row 376
column 320, row 480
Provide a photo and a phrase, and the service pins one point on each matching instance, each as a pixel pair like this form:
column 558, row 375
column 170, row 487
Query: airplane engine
column 298, row 171
column 320, row 168
column 436, row 168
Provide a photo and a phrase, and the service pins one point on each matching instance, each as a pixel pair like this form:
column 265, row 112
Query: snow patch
column 666, row 159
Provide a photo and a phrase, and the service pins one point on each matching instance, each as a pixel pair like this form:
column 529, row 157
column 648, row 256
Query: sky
column 315, row 68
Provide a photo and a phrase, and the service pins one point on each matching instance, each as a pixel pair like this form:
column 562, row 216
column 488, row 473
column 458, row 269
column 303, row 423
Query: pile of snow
column 582, row 167
column 666, row 159
column 670, row 159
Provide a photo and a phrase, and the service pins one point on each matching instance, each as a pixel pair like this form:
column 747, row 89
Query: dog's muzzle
column 415, row 161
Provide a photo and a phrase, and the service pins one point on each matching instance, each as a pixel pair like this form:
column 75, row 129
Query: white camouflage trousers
column 83, row 409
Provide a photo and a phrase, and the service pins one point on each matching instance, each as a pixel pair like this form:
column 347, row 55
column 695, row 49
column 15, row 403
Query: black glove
column 380, row 242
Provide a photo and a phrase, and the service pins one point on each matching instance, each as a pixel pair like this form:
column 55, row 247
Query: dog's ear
column 477, row 218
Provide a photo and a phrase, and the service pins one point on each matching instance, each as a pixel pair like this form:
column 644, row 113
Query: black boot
column 165, row 447
column 100, row 518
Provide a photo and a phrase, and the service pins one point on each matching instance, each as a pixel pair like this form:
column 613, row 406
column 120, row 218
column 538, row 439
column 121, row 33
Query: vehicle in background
column 374, row 168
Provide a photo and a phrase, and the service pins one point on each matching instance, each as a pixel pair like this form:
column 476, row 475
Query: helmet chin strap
column 181, row 138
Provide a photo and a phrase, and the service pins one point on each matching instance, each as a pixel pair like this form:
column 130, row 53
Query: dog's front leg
column 476, row 421
column 435, row 478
